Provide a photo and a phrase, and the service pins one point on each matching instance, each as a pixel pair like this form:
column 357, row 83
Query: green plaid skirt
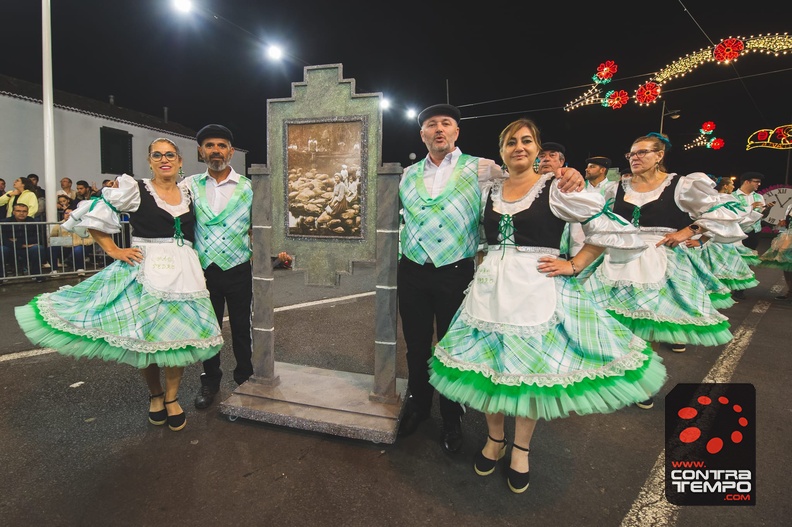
column 678, row 308
column 750, row 256
column 113, row 316
column 579, row 361
column 728, row 265
column 779, row 255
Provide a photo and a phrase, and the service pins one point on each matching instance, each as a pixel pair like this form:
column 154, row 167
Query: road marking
column 651, row 506
column 325, row 301
column 25, row 354
column 45, row 351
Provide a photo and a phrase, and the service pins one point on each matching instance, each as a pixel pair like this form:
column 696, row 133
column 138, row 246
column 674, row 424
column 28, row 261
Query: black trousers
column 752, row 241
column 232, row 288
column 429, row 297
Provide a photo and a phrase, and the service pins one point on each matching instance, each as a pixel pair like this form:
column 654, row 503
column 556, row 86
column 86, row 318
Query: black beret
column 439, row 109
column 214, row 130
column 549, row 146
column 599, row 160
column 747, row 176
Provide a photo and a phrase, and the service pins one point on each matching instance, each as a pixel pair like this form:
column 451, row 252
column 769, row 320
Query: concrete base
column 328, row 401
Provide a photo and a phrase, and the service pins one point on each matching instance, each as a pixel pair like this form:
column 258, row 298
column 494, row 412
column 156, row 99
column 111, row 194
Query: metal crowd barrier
column 49, row 256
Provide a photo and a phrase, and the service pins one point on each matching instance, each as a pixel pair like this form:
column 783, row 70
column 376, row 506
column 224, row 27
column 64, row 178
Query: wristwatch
column 693, row 227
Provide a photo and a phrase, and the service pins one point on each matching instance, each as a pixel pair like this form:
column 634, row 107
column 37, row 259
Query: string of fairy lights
column 726, row 51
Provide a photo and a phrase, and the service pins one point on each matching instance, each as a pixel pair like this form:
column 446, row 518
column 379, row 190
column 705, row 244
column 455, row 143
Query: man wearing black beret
column 223, row 199
column 441, row 206
column 596, row 171
column 441, row 201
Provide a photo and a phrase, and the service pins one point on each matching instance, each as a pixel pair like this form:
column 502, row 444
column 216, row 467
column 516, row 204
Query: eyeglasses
column 638, row 153
column 156, row 156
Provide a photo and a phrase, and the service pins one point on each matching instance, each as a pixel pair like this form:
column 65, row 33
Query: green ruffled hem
column 752, row 261
column 695, row 335
column 42, row 334
column 735, row 284
column 598, row 395
column 721, row 300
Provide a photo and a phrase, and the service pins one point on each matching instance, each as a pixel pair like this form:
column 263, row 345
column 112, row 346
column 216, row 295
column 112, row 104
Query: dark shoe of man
column 451, row 435
column 738, row 295
column 205, row 397
column 410, row 420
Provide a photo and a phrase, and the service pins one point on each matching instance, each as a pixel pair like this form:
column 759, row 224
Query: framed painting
column 325, row 178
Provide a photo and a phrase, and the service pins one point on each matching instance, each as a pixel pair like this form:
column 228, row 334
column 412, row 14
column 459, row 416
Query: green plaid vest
column 444, row 228
column 222, row 238
column 743, row 199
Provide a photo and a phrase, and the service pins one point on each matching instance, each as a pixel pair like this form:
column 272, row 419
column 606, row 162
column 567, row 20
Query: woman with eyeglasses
column 150, row 307
column 668, row 294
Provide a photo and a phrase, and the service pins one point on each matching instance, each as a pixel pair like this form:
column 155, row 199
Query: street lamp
column 673, row 114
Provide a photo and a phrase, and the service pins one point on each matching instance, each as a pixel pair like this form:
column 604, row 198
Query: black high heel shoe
column 518, row 481
column 178, row 421
column 485, row 466
column 160, row 416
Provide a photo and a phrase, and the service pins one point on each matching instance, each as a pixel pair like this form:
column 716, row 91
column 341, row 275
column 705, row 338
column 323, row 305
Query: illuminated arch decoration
column 706, row 138
column 613, row 99
column 779, row 138
column 726, row 51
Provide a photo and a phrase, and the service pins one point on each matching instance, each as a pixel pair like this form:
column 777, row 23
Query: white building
column 94, row 140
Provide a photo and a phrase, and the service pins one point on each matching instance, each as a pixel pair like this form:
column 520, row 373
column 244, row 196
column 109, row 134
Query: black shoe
column 518, row 481
column 678, row 348
column 738, row 294
column 40, row 279
column 646, row 405
column 485, row 466
column 783, row 297
column 410, row 420
column 159, row 417
column 178, row 421
column 205, row 397
column 451, row 435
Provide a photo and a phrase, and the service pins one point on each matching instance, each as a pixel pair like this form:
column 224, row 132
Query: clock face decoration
column 782, row 195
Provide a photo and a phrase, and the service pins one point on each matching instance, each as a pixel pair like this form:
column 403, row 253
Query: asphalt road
column 76, row 448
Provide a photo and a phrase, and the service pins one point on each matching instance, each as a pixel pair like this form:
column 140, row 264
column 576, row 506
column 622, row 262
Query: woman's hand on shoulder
column 570, row 180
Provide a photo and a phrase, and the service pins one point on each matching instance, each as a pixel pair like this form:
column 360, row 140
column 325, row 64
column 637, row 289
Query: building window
column 116, row 146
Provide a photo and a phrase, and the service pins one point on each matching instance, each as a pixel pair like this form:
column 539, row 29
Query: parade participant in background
column 779, row 255
column 596, row 169
column 751, row 199
column 150, row 307
column 666, row 295
column 524, row 346
column 724, row 259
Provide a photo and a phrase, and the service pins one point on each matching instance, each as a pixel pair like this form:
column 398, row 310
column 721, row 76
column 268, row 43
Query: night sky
column 497, row 62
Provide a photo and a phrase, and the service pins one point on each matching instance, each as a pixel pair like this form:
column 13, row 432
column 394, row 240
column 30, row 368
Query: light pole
column 673, row 114
column 47, row 103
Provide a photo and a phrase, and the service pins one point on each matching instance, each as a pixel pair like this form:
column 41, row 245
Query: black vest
column 662, row 212
column 535, row 226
